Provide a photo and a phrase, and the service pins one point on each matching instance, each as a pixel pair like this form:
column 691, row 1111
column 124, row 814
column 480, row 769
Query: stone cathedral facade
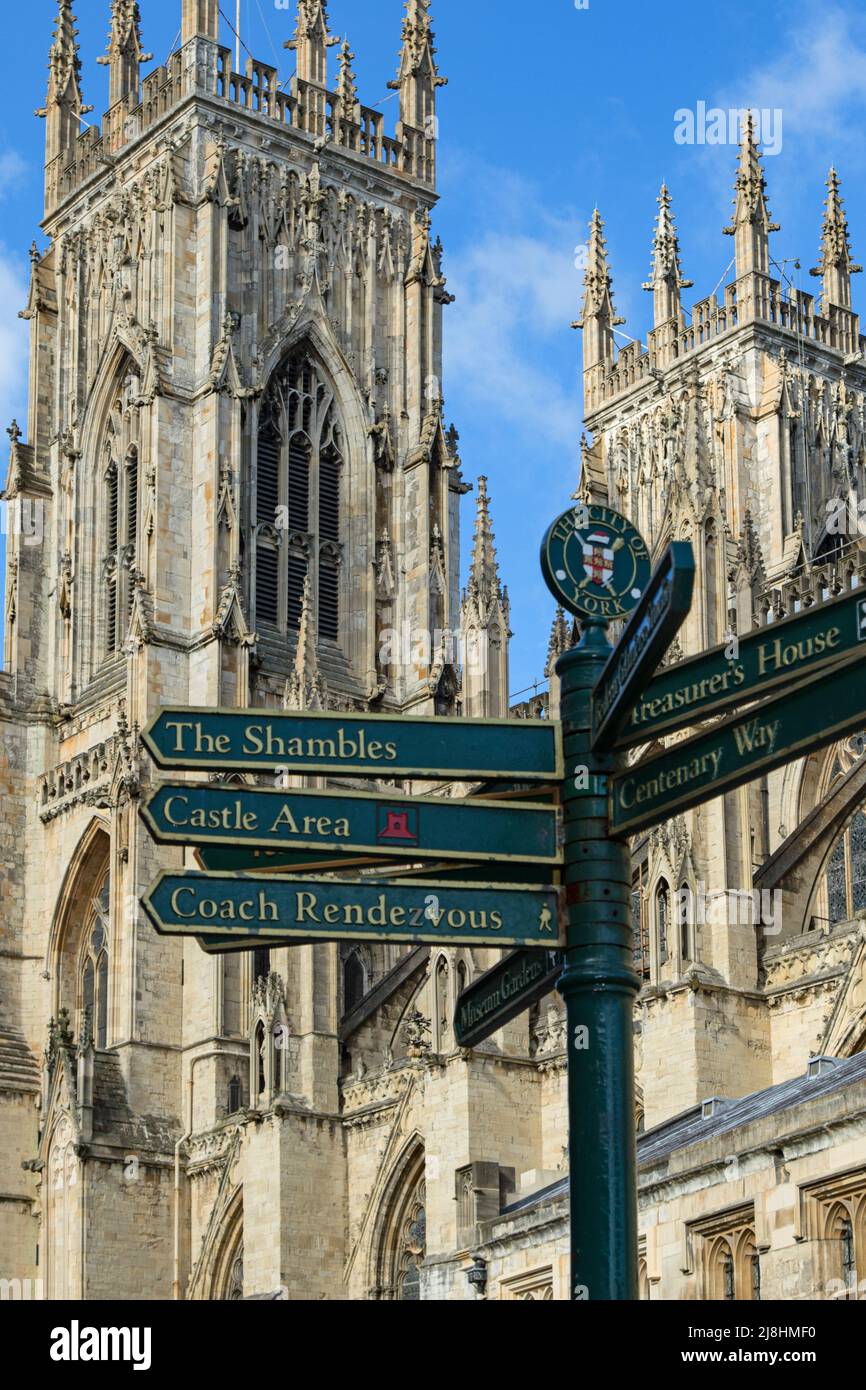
column 236, row 487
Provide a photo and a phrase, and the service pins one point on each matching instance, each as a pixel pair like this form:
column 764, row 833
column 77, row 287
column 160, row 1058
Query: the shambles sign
column 371, row 745
column 183, row 813
column 240, row 906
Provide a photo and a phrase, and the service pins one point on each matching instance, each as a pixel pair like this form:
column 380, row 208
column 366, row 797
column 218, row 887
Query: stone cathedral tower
column 236, row 457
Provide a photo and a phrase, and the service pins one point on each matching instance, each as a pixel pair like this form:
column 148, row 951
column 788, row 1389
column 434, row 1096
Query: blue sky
column 550, row 109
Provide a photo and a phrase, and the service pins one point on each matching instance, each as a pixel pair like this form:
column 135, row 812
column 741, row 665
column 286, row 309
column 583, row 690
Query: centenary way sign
column 650, row 630
column 818, row 711
column 509, row 988
column 717, row 680
column 324, row 909
column 182, row 813
column 370, row 745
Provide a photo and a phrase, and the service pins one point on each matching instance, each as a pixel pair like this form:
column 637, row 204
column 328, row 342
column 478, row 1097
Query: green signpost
column 509, row 988
column 368, row 745
column 404, row 827
column 420, row 866
column 241, row 906
column 649, row 632
column 747, row 668
column 816, row 712
column 591, row 576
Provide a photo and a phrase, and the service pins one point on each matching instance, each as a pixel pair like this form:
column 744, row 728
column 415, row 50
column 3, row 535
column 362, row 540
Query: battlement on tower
column 202, row 67
column 753, row 297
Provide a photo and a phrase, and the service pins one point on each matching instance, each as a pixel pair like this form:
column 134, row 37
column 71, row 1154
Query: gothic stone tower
column 739, row 427
column 236, row 455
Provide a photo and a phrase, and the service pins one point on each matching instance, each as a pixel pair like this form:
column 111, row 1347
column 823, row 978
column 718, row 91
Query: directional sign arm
column 746, row 668
column 652, row 627
column 829, row 706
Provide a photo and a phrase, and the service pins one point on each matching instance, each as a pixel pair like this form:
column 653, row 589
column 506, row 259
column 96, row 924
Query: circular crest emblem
column 595, row 563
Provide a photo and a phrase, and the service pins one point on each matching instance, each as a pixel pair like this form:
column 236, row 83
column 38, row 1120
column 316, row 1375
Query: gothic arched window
column 120, row 482
column 685, row 910
column 93, row 969
column 297, row 508
column 354, row 981
column 413, row 1246
column 846, row 873
column 663, row 918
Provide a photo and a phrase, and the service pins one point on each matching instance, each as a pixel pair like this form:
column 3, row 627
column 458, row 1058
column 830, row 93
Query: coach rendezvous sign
column 235, row 906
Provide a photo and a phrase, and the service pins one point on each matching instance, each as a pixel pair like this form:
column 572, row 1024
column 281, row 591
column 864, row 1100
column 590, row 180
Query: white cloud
column 507, row 344
column 818, row 79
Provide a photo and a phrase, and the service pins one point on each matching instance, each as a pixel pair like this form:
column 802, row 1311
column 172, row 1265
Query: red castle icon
column 397, row 826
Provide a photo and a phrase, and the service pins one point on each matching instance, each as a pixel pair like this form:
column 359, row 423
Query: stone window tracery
column 93, row 969
column 297, row 499
column 413, row 1247
column 730, row 1264
column 120, row 478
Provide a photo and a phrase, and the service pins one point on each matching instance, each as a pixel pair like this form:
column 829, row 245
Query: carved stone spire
column 751, row 225
column 305, row 688
column 417, row 80
column 598, row 316
column 125, row 53
column 484, row 623
column 836, row 265
column 484, row 570
column 666, row 277
column 311, row 42
column 347, row 89
column 561, row 640
column 63, row 105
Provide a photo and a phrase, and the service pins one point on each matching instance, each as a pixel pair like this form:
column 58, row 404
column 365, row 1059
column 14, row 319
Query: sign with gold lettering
column 761, row 662
column 819, row 711
column 401, row 827
column 648, row 634
column 369, row 745
column 509, row 988
column 595, row 563
column 245, row 908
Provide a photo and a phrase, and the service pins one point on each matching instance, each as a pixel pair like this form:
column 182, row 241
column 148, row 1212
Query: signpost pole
column 599, row 986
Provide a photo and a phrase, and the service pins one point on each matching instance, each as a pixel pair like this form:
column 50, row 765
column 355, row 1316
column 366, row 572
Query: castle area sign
column 184, row 813
column 242, row 907
column 369, row 745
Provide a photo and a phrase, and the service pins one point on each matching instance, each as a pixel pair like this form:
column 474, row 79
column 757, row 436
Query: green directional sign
column 404, row 827
column 509, row 988
column 822, row 709
column 243, row 907
column 370, row 745
column 648, row 634
column 774, row 657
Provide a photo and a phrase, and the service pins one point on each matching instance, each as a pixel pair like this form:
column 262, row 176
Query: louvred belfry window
column 299, row 463
column 120, row 504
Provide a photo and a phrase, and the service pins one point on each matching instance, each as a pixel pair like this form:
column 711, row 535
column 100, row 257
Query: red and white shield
column 598, row 557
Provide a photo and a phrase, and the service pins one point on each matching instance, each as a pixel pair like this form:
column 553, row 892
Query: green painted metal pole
column 599, row 986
